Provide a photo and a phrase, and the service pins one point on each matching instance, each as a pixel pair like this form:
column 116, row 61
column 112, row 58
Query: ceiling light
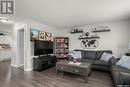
column 5, row 20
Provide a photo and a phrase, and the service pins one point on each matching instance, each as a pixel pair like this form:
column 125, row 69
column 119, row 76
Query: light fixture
column 4, row 20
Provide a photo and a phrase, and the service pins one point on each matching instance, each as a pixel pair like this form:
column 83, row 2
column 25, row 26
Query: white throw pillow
column 106, row 56
column 124, row 62
column 77, row 54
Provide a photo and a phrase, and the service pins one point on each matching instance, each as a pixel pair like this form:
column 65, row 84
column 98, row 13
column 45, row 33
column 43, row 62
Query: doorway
column 21, row 52
column 5, row 42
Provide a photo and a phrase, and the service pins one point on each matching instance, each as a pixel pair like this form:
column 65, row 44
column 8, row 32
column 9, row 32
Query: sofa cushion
column 115, row 75
column 82, row 52
column 124, row 62
column 88, row 61
column 76, row 54
column 120, row 75
column 120, row 69
column 113, row 61
column 106, row 57
column 89, row 54
column 101, row 63
column 79, row 60
column 99, row 53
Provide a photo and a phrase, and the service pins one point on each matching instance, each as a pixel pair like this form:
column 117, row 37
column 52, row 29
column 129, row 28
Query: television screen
column 43, row 47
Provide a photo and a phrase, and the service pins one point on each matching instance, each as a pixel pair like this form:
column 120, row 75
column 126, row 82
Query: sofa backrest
column 89, row 55
column 92, row 54
column 99, row 53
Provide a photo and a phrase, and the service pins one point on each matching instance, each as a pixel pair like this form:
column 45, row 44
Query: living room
column 76, row 43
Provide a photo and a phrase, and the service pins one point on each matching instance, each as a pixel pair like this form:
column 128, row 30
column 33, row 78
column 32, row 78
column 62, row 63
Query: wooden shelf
column 61, row 46
column 89, row 38
column 76, row 32
column 94, row 31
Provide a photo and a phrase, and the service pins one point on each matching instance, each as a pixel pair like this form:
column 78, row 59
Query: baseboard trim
column 21, row 65
column 14, row 65
column 29, row 69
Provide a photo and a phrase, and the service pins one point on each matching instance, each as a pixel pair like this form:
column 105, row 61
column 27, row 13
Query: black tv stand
column 43, row 62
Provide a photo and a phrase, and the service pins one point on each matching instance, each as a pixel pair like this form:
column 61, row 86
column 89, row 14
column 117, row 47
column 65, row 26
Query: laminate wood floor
column 12, row 77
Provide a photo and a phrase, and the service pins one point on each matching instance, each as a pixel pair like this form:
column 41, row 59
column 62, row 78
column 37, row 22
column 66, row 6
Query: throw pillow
column 124, row 62
column 76, row 54
column 106, row 56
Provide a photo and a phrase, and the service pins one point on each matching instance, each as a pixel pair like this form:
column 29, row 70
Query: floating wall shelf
column 76, row 32
column 94, row 31
column 89, row 38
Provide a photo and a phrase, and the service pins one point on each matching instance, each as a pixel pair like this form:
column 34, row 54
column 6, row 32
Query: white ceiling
column 64, row 13
column 6, row 27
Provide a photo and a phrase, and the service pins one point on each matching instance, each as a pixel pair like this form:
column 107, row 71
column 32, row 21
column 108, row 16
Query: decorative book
column 77, row 63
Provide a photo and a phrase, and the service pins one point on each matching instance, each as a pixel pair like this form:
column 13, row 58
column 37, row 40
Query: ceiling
column 6, row 27
column 64, row 13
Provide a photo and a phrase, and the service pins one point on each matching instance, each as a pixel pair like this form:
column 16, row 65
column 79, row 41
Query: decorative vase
column 74, row 61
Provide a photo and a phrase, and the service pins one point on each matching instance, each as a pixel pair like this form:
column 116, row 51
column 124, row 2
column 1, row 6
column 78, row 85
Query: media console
column 43, row 62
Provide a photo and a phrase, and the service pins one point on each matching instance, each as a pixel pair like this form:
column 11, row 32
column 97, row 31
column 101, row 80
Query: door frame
column 18, row 47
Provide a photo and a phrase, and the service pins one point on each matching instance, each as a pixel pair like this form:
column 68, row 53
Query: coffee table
column 83, row 69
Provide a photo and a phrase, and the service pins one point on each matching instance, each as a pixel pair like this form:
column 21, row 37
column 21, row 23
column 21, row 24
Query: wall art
column 48, row 36
column 89, row 44
column 34, row 34
column 101, row 29
column 42, row 35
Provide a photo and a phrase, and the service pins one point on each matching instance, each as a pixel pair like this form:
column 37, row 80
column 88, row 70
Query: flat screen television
column 43, row 47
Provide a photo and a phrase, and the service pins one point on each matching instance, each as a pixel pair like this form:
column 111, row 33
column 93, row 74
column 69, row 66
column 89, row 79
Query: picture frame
column 34, row 34
column 42, row 35
column 48, row 36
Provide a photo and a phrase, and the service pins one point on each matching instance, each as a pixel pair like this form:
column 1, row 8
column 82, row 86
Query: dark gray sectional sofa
column 120, row 75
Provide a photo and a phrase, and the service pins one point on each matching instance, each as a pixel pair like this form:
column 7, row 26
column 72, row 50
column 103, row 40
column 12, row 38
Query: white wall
column 38, row 26
column 14, row 45
column 30, row 24
column 116, row 40
column 6, row 28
